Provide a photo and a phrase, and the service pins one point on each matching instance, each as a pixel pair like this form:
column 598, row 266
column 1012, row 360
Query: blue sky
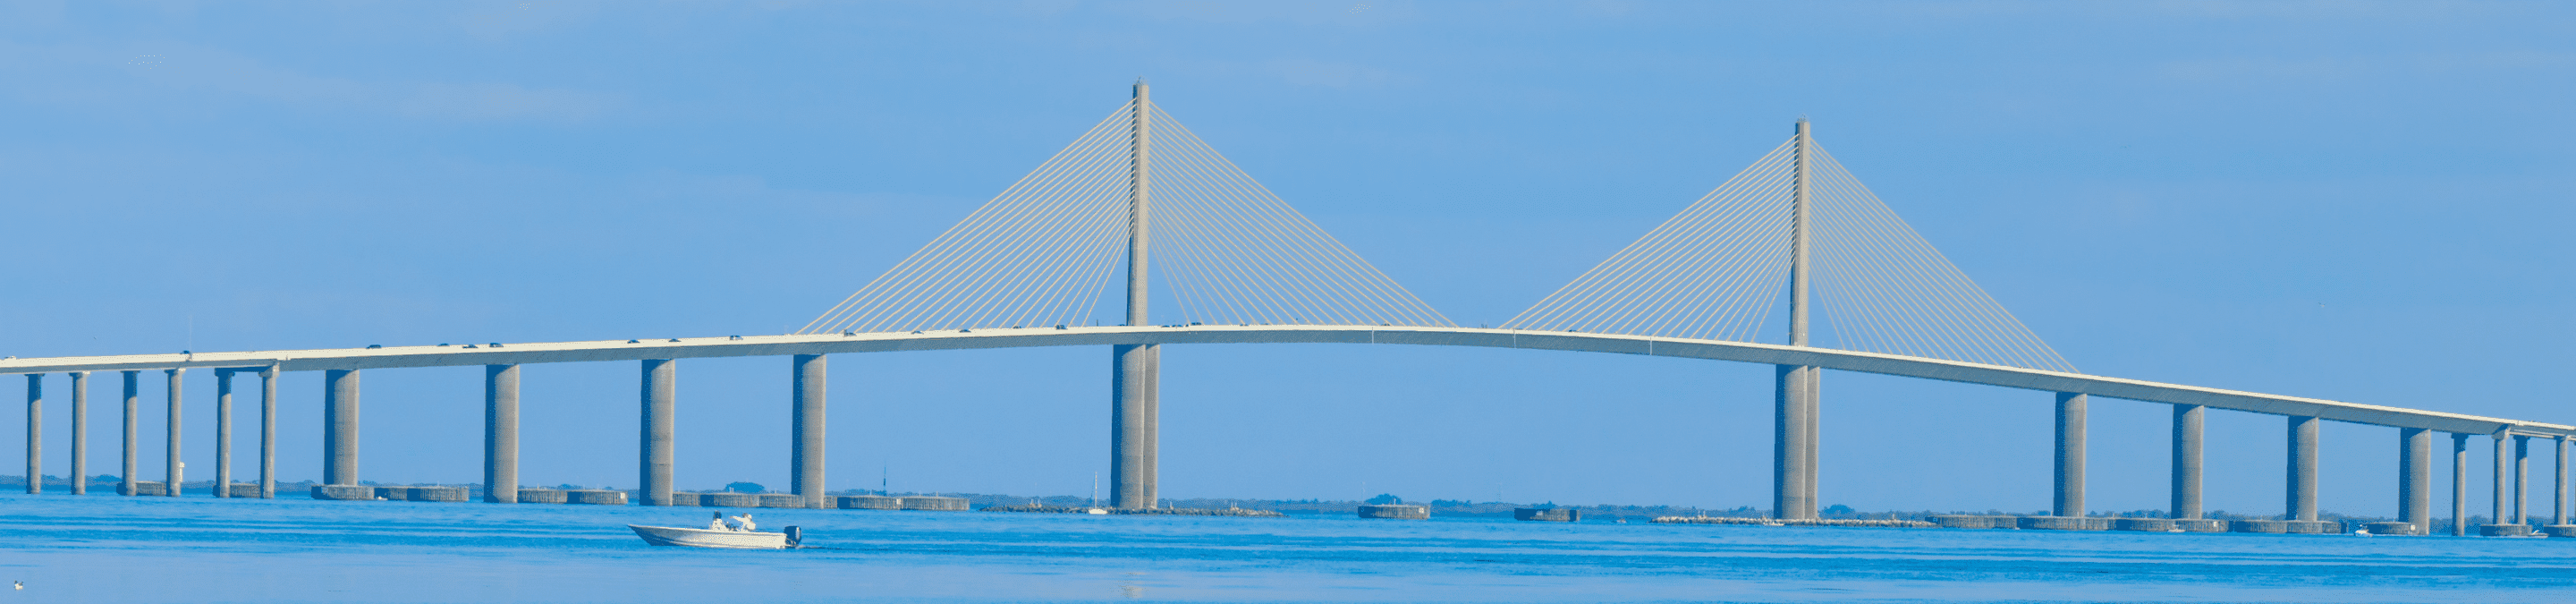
column 2357, row 201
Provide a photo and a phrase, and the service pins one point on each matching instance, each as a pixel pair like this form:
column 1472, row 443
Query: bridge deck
column 1769, row 354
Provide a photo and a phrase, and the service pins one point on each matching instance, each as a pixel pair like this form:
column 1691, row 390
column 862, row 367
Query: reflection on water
column 1130, row 589
column 102, row 548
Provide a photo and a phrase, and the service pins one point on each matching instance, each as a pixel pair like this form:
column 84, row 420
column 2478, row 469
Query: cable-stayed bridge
column 1070, row 256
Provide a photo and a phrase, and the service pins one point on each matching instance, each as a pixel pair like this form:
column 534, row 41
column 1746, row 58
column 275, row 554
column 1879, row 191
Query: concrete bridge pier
column 175, row 467
column 501, row 433
column 1793, row 444
column 2415, row 478
column 660, row 391
column 268, row 433
column 2558, row 504
column 80, row 432
column 1135, row 393
column 2302, row 500
column 2459, row 485
column 133, row 391
column 2186, row 460
column 2503, row 499
column 2070, row 454
column 340, row 427
column 2521, row 479
column 806, row 458
column 223, row 433
column 36, row 434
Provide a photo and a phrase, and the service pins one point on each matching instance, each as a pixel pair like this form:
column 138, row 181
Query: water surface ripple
column 196, row 549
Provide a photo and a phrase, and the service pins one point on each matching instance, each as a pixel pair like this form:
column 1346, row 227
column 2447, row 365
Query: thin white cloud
column 2343, row 68
column 166, row 76
column 483, row 102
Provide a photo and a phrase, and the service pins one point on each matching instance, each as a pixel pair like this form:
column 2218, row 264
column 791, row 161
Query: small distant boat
column 698, row 537
column 1095, row 511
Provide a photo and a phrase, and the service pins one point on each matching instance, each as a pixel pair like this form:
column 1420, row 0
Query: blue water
column 150, row 549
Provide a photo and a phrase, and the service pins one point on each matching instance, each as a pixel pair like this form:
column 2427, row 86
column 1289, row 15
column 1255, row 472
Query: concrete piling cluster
column 2299, row 516
column 340, row 438
column 174, row 471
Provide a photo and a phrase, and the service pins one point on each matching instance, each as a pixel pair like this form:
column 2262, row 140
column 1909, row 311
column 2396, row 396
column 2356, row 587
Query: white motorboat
column 725, row 539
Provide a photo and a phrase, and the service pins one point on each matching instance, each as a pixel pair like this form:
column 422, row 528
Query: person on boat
column 743, row 522
column 718, row 524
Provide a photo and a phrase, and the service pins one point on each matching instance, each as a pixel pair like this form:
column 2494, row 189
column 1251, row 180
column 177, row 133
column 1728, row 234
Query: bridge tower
column 1793, row 472
column 1137, row 373
column 1046, row 251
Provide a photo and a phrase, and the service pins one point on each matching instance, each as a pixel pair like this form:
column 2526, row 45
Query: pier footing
column 2145, row 525
column 2503, row 530
column 2201, row 525
column 782, row 500
column 2393, row 528
column 595, row 497
column 870, row 502
column 441, row 494
column 344, row 492
column 933, row 504
column 1975, row 522
column 1395, row 511
column 1548, row 514
column 2063, row 523
column 2289, row 527
column 923, row 503
column 542, row 496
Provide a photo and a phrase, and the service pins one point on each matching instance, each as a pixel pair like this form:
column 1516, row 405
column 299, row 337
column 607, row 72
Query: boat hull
column 698, row 537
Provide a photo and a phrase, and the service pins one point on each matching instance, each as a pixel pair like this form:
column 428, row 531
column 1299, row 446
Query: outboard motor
column 795, row 535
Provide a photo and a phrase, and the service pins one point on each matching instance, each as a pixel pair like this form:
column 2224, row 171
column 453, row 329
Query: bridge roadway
column 1767, row 354
column 501, row 362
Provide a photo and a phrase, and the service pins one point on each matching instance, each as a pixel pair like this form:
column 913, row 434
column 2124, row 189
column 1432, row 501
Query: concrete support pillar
column 2302, row 500
column 133, row 391
column 36, row 434
column 1135, row 415
column 223, row 433
column 2521, row 480
column 1793, row 447
column 1815, row 424
column 268, row 433
column 2070, row 454
column 2459, row 485
column 177, row 468
column 806, row 454
column 2558, row 504
column 80, row 432
column 2503, row 478
column 501, row 433
column 2186, row 460
column 2415, row 478
column 340, row 426
column 660, row 391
